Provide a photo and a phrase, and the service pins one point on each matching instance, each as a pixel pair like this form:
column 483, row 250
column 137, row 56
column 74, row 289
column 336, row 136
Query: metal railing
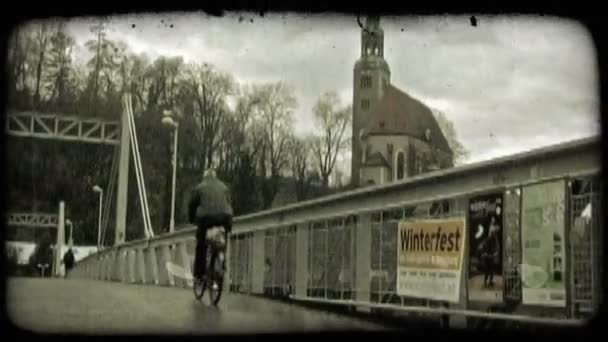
column 342, row 249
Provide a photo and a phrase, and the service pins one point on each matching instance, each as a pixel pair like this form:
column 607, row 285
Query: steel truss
column 71, row 128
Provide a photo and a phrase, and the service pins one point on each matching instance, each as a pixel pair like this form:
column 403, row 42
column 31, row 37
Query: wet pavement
column 97, row 307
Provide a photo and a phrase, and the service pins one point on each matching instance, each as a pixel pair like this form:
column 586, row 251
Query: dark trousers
column 206, row 222
column 68, row 267
column 488, row 270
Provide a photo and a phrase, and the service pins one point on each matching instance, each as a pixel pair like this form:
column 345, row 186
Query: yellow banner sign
column 430, row 256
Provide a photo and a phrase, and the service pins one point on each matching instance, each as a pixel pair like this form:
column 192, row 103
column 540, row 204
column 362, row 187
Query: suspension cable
column 141, row 172
column 138, row 168
column 110, row 195
column 143, row 183
column 34, row 161
column 126, row 104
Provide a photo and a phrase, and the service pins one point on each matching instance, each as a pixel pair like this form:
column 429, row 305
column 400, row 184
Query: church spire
column 372, row 38
column 372, row 22
column 371, row 77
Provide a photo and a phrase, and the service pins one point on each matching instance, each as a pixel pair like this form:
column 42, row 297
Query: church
column 394, row 135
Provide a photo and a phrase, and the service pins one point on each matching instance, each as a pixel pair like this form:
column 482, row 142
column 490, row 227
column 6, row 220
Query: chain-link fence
column 585, row 247
column 384, row 229
column 331, row 258
column 279, row 261
column 331, row 269
column 384, row 256
column 317, row 260
column 240, row 262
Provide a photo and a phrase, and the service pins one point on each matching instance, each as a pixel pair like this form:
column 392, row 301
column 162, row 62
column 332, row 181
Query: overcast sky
column 509, row 85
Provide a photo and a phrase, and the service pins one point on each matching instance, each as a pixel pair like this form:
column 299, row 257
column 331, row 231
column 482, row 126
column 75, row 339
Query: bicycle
column 214, row 279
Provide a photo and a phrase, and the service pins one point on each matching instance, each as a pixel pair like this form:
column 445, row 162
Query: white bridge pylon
column 141, row 185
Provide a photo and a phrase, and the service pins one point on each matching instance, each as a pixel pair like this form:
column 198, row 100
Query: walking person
column 490, row 254
column 68, row 261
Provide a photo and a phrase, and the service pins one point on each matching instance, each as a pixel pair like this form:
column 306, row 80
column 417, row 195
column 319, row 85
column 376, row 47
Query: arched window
column 365, row 104
column 419, row 163
column 376, row 51
column 368, row 51
column 400, row 165
column 366, row 81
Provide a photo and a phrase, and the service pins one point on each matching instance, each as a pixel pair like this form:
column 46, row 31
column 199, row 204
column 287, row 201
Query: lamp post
column 169, row 121
column 99, row 190
column 69, row 223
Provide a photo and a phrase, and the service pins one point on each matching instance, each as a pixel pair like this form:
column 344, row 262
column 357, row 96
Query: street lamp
column 99, row 190
column 169, row 121
column 69, row 223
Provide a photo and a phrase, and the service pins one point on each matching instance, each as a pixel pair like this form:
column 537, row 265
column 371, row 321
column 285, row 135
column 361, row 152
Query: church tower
column 371, row 77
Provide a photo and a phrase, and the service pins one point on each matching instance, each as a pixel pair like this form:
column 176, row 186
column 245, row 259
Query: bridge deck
column 86, row 306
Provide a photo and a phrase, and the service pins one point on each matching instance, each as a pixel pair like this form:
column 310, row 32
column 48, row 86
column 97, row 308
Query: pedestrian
column 490, row 254
column 68, row 261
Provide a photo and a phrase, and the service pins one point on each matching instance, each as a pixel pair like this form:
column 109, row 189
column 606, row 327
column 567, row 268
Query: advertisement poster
column 543, row 255
column 485, row 281
column 430, row 254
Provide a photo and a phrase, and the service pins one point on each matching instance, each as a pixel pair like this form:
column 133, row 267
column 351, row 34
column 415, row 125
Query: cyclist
column 209, row 206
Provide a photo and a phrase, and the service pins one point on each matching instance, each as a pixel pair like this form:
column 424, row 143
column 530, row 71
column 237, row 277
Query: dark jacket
column 68, row 259
column 210, row 197
column 490, row 248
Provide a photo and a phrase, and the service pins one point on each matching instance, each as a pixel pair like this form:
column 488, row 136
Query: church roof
column 399, row 113
column 376, row 159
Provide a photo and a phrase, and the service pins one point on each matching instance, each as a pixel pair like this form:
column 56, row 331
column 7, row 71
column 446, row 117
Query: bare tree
column 331, row 122
column 239, row 135
column 95, row 46
column 16, row 59
column 447, row 127
column 43, row 35
column 59, row 64
column 300, row 157
column 207, row 88
column 20, row 53
column 275, row 114
column 137, row 81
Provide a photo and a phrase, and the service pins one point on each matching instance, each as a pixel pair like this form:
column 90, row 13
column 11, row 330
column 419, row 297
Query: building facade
column 394, row 135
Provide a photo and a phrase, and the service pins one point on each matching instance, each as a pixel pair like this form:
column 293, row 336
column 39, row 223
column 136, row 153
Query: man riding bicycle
column 209, row 206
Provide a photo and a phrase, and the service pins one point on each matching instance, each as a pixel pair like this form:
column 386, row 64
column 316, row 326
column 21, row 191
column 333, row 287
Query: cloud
column 500, row 83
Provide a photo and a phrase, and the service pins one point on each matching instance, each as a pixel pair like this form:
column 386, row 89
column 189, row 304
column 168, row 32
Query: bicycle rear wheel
column 216, row 281
column 198, row 288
